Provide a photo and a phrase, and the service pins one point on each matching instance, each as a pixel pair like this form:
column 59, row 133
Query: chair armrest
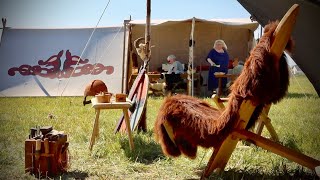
column 219, row 101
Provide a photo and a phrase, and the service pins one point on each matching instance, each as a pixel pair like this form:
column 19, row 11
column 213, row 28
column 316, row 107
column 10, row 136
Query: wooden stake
column 147, row 31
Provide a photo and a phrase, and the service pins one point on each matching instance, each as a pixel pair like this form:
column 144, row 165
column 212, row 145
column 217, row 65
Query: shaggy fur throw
column 194, row 122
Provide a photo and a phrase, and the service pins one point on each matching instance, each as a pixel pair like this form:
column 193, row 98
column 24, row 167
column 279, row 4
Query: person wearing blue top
column 218, row 59
column 172, row 77
column 175, row 66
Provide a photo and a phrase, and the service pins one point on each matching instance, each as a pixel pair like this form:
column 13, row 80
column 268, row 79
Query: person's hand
column 210, row 61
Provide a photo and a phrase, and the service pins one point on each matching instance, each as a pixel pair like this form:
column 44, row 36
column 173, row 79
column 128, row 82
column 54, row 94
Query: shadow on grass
column 290, row 141
column 74, row 175
column 145, row 151
column 300, row 95
column 278, row 174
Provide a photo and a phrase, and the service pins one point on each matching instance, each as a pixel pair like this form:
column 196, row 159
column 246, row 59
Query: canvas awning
column 240, row 22
column 305, row 33
column 172, row 37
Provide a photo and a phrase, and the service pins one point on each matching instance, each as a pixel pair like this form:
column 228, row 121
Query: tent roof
column 240, row 22
column 305, row 33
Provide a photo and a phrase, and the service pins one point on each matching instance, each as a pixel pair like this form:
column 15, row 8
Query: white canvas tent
column 39, row 62
column 172, row 37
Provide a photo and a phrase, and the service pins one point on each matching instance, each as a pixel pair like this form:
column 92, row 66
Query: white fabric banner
column 42, row 62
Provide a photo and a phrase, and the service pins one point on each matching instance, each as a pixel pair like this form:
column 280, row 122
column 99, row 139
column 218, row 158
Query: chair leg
column 274, row 135
column 265, row 120
column 220, row 156
column 260, row 126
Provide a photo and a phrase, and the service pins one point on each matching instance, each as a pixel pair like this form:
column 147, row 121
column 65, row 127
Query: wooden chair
column 221, row 154
column 263, row 120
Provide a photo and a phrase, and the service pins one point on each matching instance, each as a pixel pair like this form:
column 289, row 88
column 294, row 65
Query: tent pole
column 4, row 22
column 190, row 64
column 124, row 62
column 147, row 34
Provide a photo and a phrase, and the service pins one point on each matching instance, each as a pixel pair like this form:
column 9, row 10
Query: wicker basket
column 103, row 98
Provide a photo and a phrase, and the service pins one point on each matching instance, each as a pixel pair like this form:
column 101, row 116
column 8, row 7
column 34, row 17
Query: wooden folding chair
column 263, row 119
column 221, row 154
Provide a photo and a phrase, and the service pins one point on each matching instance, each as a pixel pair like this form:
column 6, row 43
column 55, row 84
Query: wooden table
column 220, row 76
column 112, row 105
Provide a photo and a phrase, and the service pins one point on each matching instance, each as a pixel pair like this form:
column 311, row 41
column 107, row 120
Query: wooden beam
column 277, row 148
column 283, row 31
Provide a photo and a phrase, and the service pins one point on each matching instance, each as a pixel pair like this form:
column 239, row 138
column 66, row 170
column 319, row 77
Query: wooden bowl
column 103, row 98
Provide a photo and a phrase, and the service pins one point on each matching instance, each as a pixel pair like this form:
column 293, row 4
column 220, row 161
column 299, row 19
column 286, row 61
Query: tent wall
column 23, row 50
column 173, row 38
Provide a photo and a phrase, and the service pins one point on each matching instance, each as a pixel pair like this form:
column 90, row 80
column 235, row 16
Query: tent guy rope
column 104, row 10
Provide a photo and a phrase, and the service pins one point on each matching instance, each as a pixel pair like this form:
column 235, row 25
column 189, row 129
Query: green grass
column 296, row 120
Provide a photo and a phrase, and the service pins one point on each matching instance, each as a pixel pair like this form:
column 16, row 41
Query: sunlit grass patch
column 295, row 118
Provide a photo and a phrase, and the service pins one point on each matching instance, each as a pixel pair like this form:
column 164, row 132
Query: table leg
column 126, row 118
column 199, row 85
column 219, row 87
column 95, row 132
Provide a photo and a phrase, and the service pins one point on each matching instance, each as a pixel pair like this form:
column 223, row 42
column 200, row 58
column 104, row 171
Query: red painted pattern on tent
column 51, row 67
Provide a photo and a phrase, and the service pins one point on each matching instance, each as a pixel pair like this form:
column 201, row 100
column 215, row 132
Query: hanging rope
column 52, row 112
column 85, row 47
column 99, row 59
column 296, row 80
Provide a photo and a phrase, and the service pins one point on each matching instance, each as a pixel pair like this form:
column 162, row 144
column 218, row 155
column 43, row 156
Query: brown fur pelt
column 194, row 122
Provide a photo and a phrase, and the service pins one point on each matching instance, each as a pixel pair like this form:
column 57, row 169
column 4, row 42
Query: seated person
column 236, row 70
column 172, row 77
column 175, row 66
column 237, row 66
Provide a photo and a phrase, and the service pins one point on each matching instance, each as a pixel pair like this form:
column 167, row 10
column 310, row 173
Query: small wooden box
column 121, row 97
column 48, row 165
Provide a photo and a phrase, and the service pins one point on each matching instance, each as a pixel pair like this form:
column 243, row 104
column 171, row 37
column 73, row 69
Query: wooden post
column 147, row 31
column 4, row 22
column 190, row 63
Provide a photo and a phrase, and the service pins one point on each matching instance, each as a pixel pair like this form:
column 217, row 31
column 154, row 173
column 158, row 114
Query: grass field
column 296, row 120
